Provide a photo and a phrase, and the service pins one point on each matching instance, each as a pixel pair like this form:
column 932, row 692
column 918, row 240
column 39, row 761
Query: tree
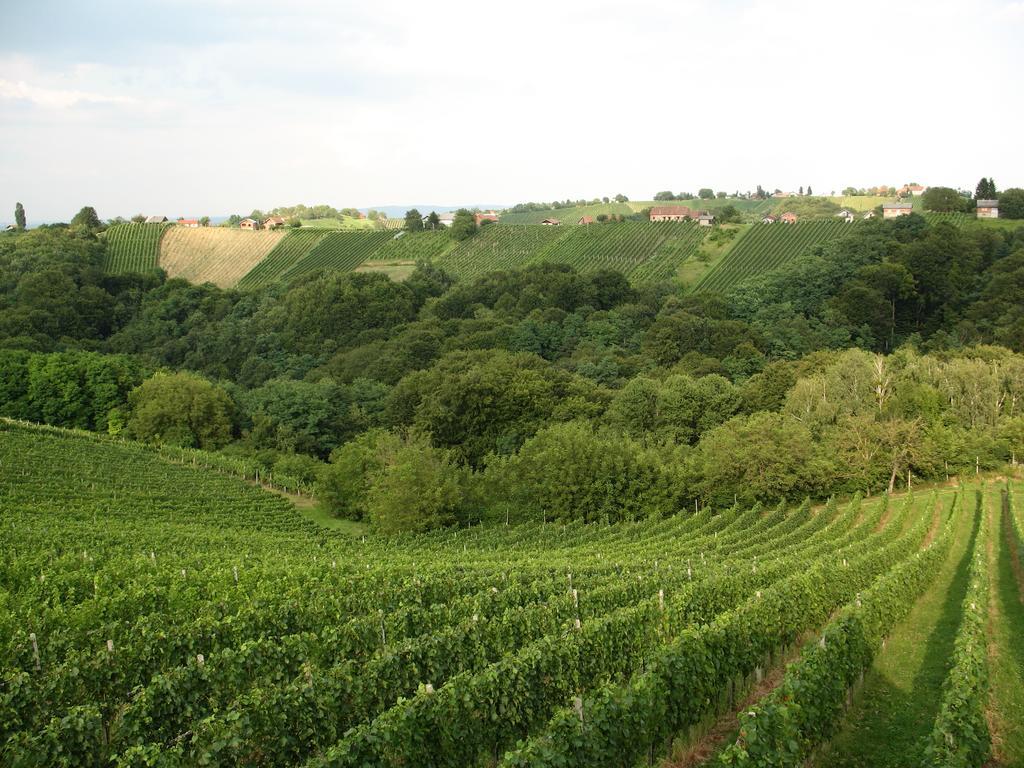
column 139, row 218
column 705, row 193
column 433, row 220
column 19, row 215
column 809, row 192
column 181, row 409
column 204, row 221
column 728, row 213
column 463, row 224
column 664, row 195
column 1011, row 203
column 801, row 191
column 621, row 198
column 86, row 218
column 986, row 190
column 413, row 221
column 943, row 199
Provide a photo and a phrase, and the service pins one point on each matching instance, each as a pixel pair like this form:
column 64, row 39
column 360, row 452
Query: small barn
column 769, row 219
column 249, row 224
column 846, row 215
column 486, row 216
column 897, row 209
column 551, row 222
column 586, row 220
column 156, row 219
column 987, row 209
column 706, row 219
column 190, row 223
column 671, row 213
column 274, row 222
column 788, row 218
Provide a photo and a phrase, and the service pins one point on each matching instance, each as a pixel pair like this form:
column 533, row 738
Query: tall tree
column 86, row 218
column 19, row 215
column 463, row 225
column 809, row 192
column 433, row 220
column 413, row 221
column 986, row 189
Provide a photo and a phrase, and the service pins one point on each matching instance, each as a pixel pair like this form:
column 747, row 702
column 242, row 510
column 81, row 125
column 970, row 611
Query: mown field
column 214, row 254
column 156, row 612
column 764, row 247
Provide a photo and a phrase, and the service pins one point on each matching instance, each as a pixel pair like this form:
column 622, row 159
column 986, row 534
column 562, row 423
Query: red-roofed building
column 248, row 224
column 485, row 216
column 551, row 222
column 671, row 213
column 191, row 223
column 586, row 220
column 788, row 218
column 274, row 222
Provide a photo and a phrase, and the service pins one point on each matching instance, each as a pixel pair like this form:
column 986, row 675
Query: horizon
column 182, row 108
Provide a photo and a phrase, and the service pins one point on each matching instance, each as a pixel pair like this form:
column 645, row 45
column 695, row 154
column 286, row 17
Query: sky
column 212, row 107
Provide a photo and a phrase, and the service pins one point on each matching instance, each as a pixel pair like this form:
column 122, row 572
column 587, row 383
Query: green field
column 860, row 202
column 764, row 247
column 415, row 246
column 338, row 251
column 569, row 216
column 133, row 247
column 345, row 222
column 295, row 246
column 643, row 251
column 154, row 607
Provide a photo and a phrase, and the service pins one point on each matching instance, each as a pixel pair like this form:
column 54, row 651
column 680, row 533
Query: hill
column 764, row 247
column 153, row 606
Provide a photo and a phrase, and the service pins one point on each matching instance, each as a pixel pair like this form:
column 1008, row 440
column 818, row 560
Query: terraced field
column 133, row 247
column 159, row 612
column 764, row 247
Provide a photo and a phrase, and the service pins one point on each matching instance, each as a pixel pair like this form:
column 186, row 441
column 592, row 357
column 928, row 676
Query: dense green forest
column 542, row 392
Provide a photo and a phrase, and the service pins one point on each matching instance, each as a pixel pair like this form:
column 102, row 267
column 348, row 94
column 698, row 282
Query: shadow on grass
column 891, row 718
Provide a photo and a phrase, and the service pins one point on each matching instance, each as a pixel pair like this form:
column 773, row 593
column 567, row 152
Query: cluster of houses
column 447, row 219
column 271, row 222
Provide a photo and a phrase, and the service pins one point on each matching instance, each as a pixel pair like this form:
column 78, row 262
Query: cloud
column 55, row 98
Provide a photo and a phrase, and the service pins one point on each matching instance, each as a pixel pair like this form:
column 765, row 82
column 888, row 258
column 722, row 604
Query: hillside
column 215, row 254
column 133, row 247
column 764, row 247
column 165, row 604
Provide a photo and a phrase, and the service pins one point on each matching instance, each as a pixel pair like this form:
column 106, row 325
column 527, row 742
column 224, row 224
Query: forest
column 889, row 356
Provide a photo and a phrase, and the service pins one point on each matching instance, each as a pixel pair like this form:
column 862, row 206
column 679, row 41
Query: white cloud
column 55, row 98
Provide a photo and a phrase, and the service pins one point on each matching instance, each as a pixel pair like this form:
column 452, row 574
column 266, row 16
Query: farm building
column 987, row 209
column 915, row 190
column 447, row 219
column 551, row 222
column 788, row 218
column 706, row 219
column 769, row 219
column 671, row 213
column 485, row 216
column 868, row 215
column 895, row 210
column 586, row 220
column 191, row 223
column 846, row 215
column 274, row 222
column 156, row 219
column 249, row 224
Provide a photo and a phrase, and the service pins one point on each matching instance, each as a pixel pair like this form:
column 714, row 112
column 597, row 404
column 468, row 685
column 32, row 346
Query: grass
column 896, row 707
column 694, row 268
column 345, row 222
column 310, row 509
column 1006, row 647
column 396, row 270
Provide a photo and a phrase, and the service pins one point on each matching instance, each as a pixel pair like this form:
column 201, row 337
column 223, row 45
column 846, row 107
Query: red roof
column 586, row 220
column 672, row 210
column 188, row 221
column 788, row 216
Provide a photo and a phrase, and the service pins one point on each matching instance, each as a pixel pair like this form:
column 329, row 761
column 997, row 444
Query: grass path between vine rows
column 1006, row 639
column 895, row 709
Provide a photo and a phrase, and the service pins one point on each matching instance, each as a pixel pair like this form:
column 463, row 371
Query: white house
column 897, row 209
column 846, row 215
column 156, row 219
column 706, row 219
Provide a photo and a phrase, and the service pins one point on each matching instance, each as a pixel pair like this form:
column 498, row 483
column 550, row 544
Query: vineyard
column 215, row 254
column 642, row 251
column 414, row 246
column 764, row 247
column 338, row 251
column 295, row 245
column 160, row 613
column 133, row 247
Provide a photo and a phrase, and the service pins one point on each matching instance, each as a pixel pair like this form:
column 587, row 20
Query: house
column 769, row 219
column 671, row 213
column 249, row 224
column 987, row 209
column 191, row 223
column 788, row 218
column 895, row 210
column 447, row 219
column 156, row 219
column 485, row 216
column 551, row 222
column 10, row 228
column 360, row 215
column 915, row 190
column 868, row 215
column 780, row 193
column 586, row 220
column 706, row 219
column 274, row 222
column 846, row 215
